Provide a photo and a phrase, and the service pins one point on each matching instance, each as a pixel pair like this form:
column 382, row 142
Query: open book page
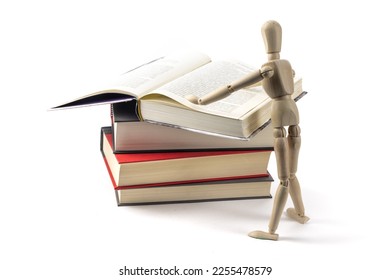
column 148, row 77
column 143, row 79
column 210, row 77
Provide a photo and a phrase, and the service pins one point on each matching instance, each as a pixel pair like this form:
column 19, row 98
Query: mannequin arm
column 249, row 80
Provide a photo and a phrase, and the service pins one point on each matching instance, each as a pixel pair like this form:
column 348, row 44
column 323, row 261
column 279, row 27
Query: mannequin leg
column 281, row 154
column 294, row 143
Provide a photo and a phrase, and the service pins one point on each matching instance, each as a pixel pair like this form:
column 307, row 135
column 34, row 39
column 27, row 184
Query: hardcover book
column 182, row 167
column 162, row 85
column 202, row 191
column 131, row 135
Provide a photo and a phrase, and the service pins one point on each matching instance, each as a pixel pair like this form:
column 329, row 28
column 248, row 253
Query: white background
column 58, row 215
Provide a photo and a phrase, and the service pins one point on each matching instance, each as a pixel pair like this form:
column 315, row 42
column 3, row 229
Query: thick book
column 131, row 135
column 161, row 88
column 182, row 167
column 210, row 190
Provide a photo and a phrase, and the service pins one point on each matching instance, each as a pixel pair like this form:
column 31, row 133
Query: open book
column 161, row 87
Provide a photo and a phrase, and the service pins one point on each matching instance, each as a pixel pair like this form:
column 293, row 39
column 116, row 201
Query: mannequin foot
column 263, row 235
column 293, row 215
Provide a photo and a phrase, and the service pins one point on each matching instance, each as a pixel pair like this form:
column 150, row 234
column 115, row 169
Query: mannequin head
column 272, row 36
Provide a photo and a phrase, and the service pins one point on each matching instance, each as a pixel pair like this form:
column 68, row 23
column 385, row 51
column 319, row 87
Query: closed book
column 201, row 191
column 130, row 135
column 184, row 167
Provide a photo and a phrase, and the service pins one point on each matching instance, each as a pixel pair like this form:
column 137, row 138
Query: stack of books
column 161, row 148
column 150, row 163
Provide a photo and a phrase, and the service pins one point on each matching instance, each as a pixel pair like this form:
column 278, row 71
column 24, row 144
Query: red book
column 136, row 169
column 178, row 192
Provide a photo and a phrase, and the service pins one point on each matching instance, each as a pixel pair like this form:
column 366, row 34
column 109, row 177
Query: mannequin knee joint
column 294, row 130
column 279, row 132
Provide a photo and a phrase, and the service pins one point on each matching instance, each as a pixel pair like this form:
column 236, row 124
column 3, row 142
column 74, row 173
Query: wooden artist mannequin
column 277, row 78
